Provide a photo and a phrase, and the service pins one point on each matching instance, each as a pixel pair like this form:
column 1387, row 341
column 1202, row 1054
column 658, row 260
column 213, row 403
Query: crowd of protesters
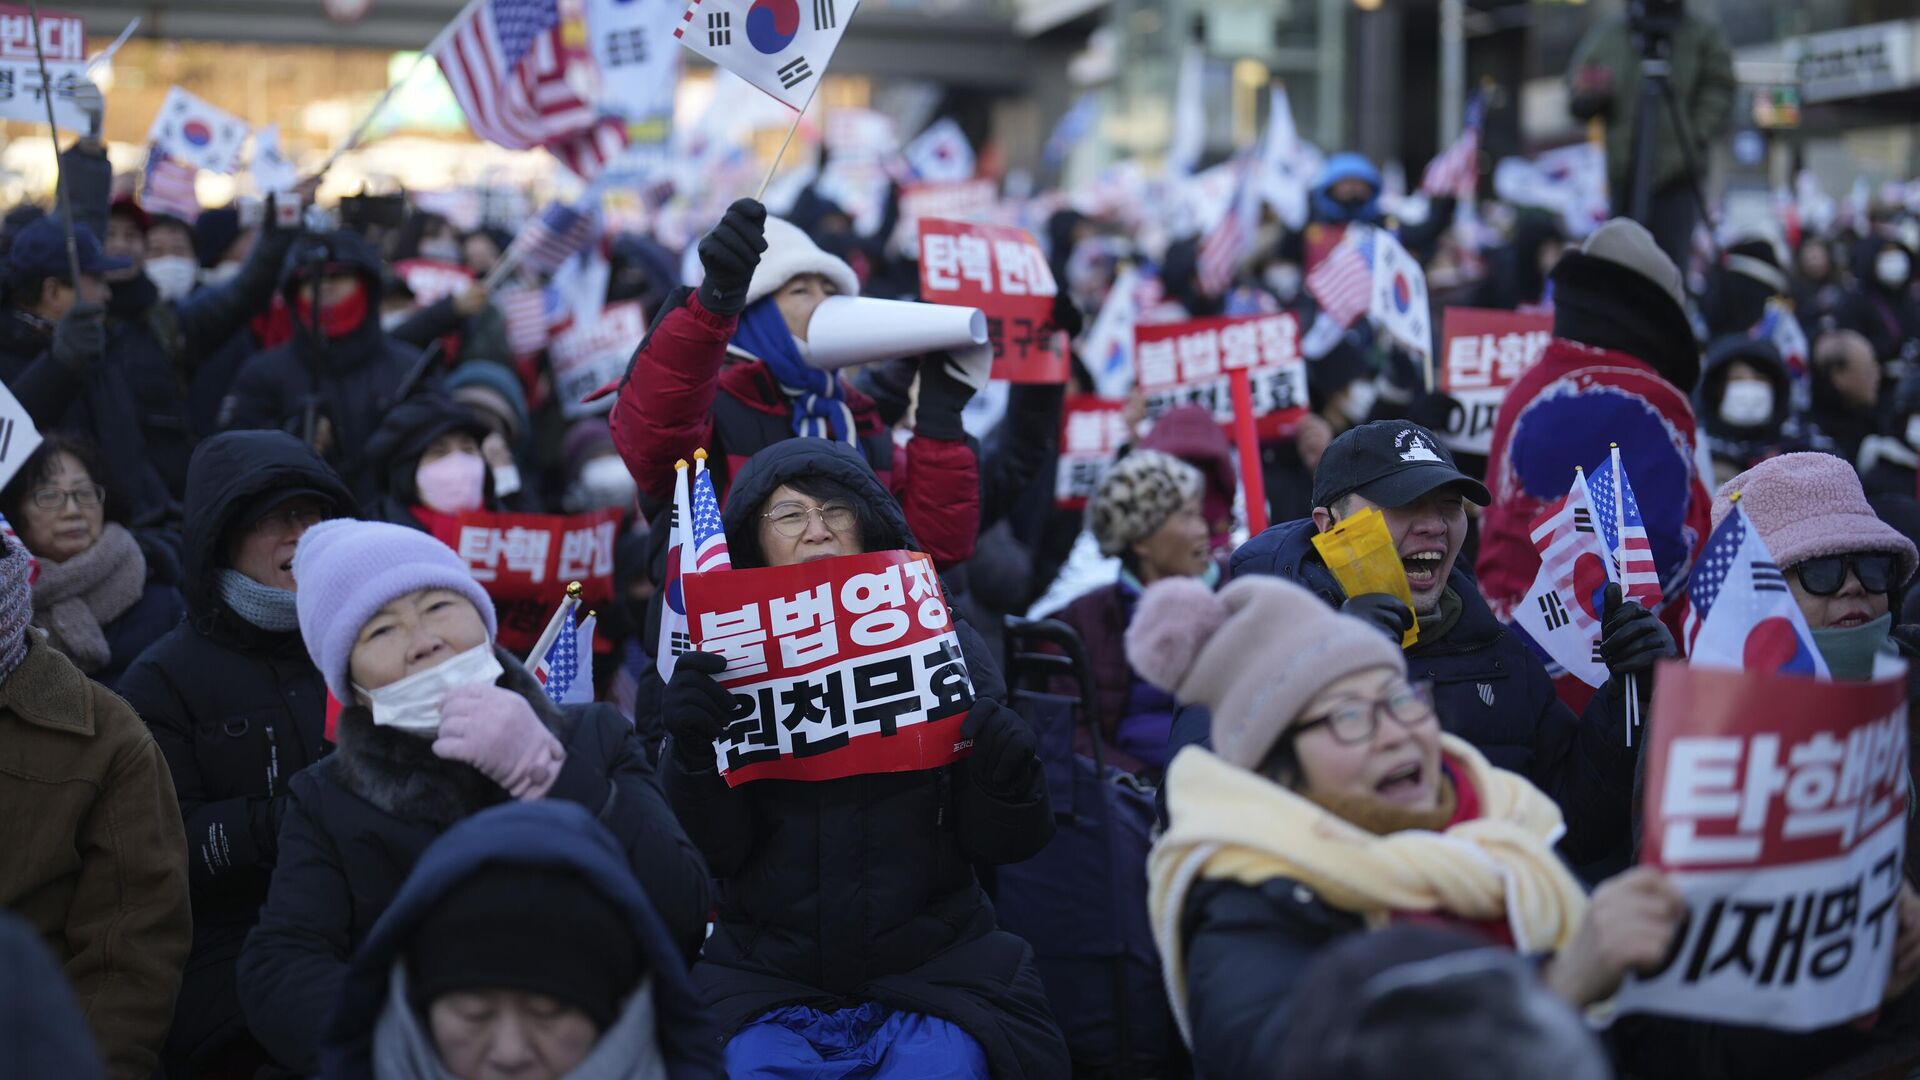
column 279, row 803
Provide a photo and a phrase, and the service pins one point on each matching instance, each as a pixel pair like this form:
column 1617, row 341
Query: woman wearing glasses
column 851, row 922
column 1844, row 564
column 1332, row 804
column 97, row 596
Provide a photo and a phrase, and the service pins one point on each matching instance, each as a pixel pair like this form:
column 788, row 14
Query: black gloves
column 942, row 396
column 1066, row 315
column 696, row 708
column 1004, row 748
column 1632, row 639
column 729, row 253
column 81, row 337
column 1386, row 613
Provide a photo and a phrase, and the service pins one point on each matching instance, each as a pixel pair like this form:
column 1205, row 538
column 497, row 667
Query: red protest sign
column 1092, row 430
column 62, row 35
column 525, row 561
column 838, row 667
column 1191, row 363
column 1001, row 271
column 1482, row 353
column 1776, row 804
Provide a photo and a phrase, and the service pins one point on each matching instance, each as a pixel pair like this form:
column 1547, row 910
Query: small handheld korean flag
column 1399, row 305
column 780, row 46
column 675, row 638
column 1562, row 610
column 190, row 130
column 1743, row 615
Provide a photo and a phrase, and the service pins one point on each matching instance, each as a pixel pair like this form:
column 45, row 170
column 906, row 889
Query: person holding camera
column 1604, row 81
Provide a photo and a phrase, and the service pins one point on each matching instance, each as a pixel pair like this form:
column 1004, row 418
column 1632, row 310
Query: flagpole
column 567, row 603
column 1620, row 537
column 786, row 142
column 380, row 105
column 61, row 197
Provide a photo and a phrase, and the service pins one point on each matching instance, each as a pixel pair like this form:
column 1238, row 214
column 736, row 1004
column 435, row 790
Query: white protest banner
column 1776, row 804
column 588, row 356
column 19, row 438
column 190, row 130
column 1189, row 363
column 431, row 281
column 1092, row 430
column 967, row 200
column 1482, row 353
column 837, row 667
column 770, row 43
column 22, row 97
column 272, row 172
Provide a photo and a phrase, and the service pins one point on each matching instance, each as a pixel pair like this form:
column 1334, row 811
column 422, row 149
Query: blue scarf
column 816, row 400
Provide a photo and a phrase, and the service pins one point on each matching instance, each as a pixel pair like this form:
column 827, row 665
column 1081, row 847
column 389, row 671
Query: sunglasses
column 1824, row 576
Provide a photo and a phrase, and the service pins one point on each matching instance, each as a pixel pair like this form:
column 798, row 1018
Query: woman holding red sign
column 727, row 368
column 850, row 918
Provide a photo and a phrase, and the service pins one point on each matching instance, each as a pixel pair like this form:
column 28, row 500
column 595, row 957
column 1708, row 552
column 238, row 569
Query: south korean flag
column 190, row 130
column 780, row 46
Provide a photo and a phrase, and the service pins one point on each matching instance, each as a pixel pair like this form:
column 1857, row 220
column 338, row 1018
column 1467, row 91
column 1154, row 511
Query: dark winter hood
column 1346, row 166
column 789, row 459
column 406, row 432
column 339, row 246
column 546, row 834
column 229, row 471
column 1756, row 353
column 1600, row 302
column 1866, row 251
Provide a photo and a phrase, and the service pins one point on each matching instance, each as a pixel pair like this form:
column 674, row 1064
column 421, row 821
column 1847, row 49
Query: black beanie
column 214, row 231
column 535, row 930
column 1600, row 302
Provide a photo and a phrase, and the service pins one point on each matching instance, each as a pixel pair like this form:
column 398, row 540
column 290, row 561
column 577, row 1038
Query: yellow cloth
column 1228, row 823
column 1360, row 552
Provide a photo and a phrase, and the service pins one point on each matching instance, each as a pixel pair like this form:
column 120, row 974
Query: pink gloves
column 495, row 731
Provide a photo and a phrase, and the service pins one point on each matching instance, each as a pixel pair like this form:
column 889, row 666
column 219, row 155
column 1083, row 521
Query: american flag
column 676, row 635
column 1343, row 282
column 1561, row 612
column 1625, row 534
column 709, row 535
column 1742, row 613
column 1234, row 236
column 1456, row 171
column 558, row 667
column 530, row 314
column 554, row 235
column 168, row 186
column 507, row 62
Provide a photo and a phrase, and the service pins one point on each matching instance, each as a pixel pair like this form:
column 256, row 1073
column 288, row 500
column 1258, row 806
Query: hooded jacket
column 680, row 394
column 1745, row 446
column 237, row 711
column 1491, row 690
column 544, row 834
column 393, row 454
column 352, row 382
column 359, row 821
column 863, row 889
column 1886, row 315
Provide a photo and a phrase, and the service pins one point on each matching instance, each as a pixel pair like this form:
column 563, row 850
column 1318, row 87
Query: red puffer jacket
column 681, row 394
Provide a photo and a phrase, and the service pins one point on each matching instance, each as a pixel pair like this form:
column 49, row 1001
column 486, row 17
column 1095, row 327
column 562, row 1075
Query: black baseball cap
column 1390, row 463
column 40, row 250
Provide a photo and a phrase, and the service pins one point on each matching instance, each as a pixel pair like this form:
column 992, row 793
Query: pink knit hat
column 1255, row 653
column 1809, row 505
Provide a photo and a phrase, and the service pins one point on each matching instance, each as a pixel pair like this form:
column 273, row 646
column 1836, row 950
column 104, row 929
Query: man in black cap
column 1489, row 688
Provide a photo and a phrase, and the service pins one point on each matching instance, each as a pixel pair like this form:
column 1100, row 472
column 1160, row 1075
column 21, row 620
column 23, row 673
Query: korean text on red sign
column 1001, row 271
column 23, row 94
column 838, row 667
column 1482, row 353
column 1092, row 430
column 525, row 562
column 1191, row 363
column 62, row 35
column 1777, row 804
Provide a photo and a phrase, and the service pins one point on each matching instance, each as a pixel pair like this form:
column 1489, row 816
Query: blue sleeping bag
column 866, row 1042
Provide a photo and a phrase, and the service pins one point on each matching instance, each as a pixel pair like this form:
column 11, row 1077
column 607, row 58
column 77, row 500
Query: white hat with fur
column 790, row 253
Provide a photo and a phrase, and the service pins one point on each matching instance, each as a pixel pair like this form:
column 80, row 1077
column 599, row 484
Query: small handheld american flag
column 1343, row 282
column 555, row 235
column 1624, row 533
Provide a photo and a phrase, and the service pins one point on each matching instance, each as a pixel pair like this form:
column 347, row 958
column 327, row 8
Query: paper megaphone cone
column 850, row 330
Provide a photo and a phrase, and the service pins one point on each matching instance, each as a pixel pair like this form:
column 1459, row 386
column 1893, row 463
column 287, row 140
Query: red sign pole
column 1253, row 483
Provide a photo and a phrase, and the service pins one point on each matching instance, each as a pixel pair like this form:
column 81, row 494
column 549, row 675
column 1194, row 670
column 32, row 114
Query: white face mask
column 1747, row 403
column 1891, row 268
column 1284, row 280
column 173, row 275
column 440, row 250
column 506, row 480
column 1358, row 404
column 413, row 703
column 1913, row 432
column 604, row 482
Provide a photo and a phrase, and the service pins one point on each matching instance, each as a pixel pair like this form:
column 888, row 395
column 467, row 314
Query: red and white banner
column 525, row 562
column 1190, row 363
column 1777, row 804
column 431, row 281
column 1482, row 354
column 838, row 667
column 585, row 358
column 1001, row 271
column 64, row 37
column 1092, row 430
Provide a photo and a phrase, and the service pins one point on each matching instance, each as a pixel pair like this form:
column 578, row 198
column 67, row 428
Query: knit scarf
column 262, row 605
column 74, row 600
column 16, row 606
column 816, row 399
column 1231, row 824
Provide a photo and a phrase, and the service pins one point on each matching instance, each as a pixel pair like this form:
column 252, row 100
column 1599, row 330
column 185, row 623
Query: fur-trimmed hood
column 399, row 773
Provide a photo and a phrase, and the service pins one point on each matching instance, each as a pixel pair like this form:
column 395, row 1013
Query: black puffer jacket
column 360, row 819
column 863, row 889
column 237, row 711
column 351, row 381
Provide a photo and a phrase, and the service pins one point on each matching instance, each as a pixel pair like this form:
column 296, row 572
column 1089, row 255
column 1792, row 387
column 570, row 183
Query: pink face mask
column 452, row 484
